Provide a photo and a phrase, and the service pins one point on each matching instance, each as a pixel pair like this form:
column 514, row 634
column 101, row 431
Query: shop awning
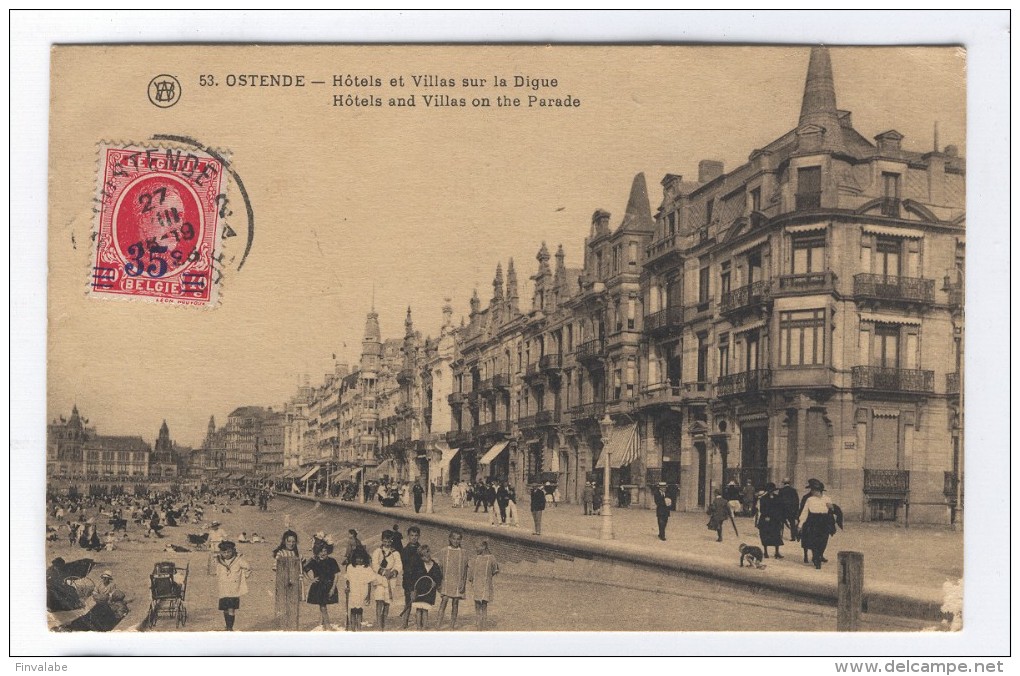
column 355, row 472
column 493, row 452
column 310, row 473
column 385, row 467
column 448, row 455
column 622, row 447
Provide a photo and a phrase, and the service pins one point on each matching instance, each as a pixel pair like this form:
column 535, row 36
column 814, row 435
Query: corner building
column 803, row 318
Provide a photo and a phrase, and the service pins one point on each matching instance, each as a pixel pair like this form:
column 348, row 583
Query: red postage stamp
column 157, row 225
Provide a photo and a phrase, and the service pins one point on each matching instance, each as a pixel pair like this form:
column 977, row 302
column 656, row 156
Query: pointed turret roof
column 372, row 332
column 497, row 283
column 639, row 214
column 818, row 107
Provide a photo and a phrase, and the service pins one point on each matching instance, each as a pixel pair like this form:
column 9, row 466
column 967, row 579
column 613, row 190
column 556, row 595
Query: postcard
column 402, row 338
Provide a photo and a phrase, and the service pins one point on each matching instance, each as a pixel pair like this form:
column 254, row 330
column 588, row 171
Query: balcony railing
column 890, row 207
column 886, row 481
column 953, row 383
column 551, row 362
column 590, row 411
column 892, row 380
column 748, row 381
column 893, row 288
column 663, row 246
column 543, row 418
column 501, row 381
column 661, row 394
column 754, row 293
column 809, row 200
column 532, row 370
column 590, row 350
column 457, row 398
column 670, row 319
column 494, row 427
column 458, row 438
column 621, row 405
column 527, row 422
column 806, row 282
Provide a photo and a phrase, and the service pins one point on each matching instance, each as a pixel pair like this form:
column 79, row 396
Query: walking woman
column 816, row 522
column 770, row 520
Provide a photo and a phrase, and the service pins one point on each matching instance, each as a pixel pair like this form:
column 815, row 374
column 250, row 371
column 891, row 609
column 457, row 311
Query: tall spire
column 819, row 101
column 497, row 283
column 639, row 214
column 818, row 107
column 408, row 324
column 511, row 290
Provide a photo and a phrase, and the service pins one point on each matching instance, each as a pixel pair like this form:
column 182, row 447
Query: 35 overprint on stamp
column 158, row 224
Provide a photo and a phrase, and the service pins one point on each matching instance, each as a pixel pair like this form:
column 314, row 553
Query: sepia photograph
column 406, row 338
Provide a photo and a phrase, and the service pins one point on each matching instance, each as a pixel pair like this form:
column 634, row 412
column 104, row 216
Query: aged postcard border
column 46, row 644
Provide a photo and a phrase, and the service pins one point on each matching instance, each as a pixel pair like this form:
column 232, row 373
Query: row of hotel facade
column 800, row 316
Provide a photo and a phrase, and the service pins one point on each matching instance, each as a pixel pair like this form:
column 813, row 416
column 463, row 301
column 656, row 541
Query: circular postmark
column 164, row 91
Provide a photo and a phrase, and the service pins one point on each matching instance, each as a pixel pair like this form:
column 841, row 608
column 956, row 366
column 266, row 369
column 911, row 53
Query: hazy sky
column 419, row 203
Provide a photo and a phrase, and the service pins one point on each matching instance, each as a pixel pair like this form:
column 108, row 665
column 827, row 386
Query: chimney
column 709, row 170
column 600, row 223
column 846, row 119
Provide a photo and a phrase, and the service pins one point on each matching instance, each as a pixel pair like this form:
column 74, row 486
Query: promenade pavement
column 905, row 569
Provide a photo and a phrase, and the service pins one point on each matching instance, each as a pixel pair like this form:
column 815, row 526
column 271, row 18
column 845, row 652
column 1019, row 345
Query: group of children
column 396, row 576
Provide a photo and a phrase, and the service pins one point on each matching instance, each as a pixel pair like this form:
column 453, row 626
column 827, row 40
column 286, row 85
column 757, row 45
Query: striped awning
column 807, row 227
column 493, row 452
column 310, row 473
column 621, row 447
column 906, row 233
column 890, row 319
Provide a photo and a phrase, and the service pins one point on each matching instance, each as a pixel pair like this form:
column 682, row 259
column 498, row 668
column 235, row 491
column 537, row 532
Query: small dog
column 752, row 555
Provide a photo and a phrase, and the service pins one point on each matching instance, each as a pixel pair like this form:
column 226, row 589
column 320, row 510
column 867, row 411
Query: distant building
column 65, row 441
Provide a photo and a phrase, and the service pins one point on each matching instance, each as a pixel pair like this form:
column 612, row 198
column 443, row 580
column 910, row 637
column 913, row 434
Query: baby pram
column 168, row 585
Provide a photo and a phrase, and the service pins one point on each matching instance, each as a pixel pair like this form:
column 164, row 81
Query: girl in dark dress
column 323, row 590
column 770, row 520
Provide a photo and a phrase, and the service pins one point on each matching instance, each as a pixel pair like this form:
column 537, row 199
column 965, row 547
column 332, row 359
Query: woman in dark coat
column 817, row 523
column 770, row 520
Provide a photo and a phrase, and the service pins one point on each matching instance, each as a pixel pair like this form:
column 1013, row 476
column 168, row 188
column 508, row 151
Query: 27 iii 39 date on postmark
column 159, row 221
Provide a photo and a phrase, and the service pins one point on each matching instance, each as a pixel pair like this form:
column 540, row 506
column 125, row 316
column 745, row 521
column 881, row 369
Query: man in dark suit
column 790, row 501
column 662, row 505
column 537, row 507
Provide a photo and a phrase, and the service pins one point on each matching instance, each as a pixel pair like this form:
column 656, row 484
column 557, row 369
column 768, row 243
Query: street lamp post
column 606, row 425
column 429, row 506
